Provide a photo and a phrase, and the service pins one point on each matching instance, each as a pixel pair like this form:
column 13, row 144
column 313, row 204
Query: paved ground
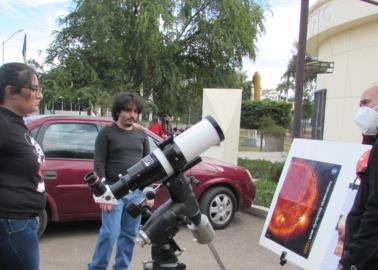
column 69, row 247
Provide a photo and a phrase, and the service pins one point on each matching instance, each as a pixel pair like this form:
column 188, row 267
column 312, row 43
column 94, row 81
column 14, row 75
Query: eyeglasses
column 34, row 88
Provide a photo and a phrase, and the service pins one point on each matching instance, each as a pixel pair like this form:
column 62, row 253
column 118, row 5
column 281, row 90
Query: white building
column 344, row 32
column 271, row 94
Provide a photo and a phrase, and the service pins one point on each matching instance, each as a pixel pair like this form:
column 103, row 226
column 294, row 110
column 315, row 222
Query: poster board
column 315, row 192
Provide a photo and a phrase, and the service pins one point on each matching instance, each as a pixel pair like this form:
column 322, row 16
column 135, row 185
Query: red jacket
column 157, row 129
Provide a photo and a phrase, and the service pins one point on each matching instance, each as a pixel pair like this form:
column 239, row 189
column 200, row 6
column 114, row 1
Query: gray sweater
column 117, row 149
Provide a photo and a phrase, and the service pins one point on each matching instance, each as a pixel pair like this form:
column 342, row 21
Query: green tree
column 288, row 78
column 167, row 50
column 307, row 109
column 288, row 82
column 254, row 112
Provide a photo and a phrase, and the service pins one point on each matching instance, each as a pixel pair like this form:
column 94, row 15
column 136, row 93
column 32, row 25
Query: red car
column 68, row 144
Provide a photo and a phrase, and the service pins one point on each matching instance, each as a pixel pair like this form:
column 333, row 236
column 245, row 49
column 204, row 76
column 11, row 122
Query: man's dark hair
column 125, row 101
column 16, row 75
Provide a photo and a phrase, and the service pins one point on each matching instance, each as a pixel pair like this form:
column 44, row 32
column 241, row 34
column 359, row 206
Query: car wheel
column 219, row 205
column 42, row 223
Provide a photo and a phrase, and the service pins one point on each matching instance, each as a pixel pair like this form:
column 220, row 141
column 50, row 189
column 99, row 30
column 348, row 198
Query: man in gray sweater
column 117, row 148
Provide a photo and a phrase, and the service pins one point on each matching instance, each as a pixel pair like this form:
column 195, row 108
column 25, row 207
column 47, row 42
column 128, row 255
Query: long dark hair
column 154, row 120
column 15, row 75
column 125, row 101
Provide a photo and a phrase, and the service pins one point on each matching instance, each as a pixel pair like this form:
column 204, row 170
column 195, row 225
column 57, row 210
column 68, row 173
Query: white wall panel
column 225, row 106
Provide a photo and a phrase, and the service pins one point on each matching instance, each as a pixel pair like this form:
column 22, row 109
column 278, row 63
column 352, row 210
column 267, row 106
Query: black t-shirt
column 21, row 184
column 117, row 149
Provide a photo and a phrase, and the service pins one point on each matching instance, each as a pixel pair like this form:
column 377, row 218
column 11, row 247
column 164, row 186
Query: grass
column 264, row 192
column 248, row 149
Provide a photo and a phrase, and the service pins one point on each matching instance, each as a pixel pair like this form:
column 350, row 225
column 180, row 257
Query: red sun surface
column 296, row 201
column 363, row 161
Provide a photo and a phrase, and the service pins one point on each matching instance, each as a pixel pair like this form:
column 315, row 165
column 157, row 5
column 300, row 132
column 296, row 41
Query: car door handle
column 50, row 175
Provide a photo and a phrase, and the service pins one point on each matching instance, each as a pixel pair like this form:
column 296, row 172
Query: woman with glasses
column 22, row 188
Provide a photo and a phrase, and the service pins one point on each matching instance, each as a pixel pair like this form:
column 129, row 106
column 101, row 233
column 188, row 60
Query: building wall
column 225, row 106
column 345, row 32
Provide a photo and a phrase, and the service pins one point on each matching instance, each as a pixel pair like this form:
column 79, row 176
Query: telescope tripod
column 161, row 227
column 164, row 257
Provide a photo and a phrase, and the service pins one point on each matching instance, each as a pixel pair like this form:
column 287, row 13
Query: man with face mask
column 361, row 233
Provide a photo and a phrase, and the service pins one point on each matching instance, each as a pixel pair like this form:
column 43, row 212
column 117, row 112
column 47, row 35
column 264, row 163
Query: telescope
column 172, row 156
column 167, row 163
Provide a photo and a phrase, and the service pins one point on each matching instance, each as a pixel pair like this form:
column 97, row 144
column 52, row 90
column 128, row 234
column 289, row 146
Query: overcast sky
column 38, row 19
column 276, row 46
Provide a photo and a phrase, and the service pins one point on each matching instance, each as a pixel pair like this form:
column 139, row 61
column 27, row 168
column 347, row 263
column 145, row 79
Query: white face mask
column 367, row 120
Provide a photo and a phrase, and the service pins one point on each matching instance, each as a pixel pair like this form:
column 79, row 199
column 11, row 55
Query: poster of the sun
column 314, row 194
column 301, row 204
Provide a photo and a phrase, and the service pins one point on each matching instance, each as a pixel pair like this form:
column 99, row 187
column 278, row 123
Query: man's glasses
column 34, row 88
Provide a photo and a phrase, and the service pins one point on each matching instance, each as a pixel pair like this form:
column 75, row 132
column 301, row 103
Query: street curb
column 259, row 211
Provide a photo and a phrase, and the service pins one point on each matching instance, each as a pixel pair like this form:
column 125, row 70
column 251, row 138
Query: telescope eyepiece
column 91, row 178
column 95, row 184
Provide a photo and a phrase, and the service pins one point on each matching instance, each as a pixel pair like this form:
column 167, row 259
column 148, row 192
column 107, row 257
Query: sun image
column 363, row 161
column 296, row 201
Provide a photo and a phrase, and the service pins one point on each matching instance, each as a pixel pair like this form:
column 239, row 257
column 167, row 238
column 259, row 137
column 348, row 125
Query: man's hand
column 150, row 203
column 339, row 268
column 106, row 207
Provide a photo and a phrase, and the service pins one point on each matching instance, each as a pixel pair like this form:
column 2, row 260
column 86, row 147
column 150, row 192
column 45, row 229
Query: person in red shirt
column 156, row 127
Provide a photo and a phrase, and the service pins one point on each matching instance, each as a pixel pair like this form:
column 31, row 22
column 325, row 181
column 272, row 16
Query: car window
column 74, row 140
column 34, row 132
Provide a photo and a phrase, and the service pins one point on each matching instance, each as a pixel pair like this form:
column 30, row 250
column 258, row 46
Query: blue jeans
column 19, row 248
column 117, row 225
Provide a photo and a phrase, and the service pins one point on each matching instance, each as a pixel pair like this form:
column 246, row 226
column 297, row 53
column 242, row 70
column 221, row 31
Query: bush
column 264, row 192
column 252, row 113
column 268, row 174
column 258, row 168
column 275, row 171
column 262, row 169
column 269, row 127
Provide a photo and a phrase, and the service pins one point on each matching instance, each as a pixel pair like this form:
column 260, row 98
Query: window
column 318, row 114
column 34, row 132
column 74, row 141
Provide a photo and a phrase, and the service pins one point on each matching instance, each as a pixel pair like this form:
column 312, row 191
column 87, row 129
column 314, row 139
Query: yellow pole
column 256, row 80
